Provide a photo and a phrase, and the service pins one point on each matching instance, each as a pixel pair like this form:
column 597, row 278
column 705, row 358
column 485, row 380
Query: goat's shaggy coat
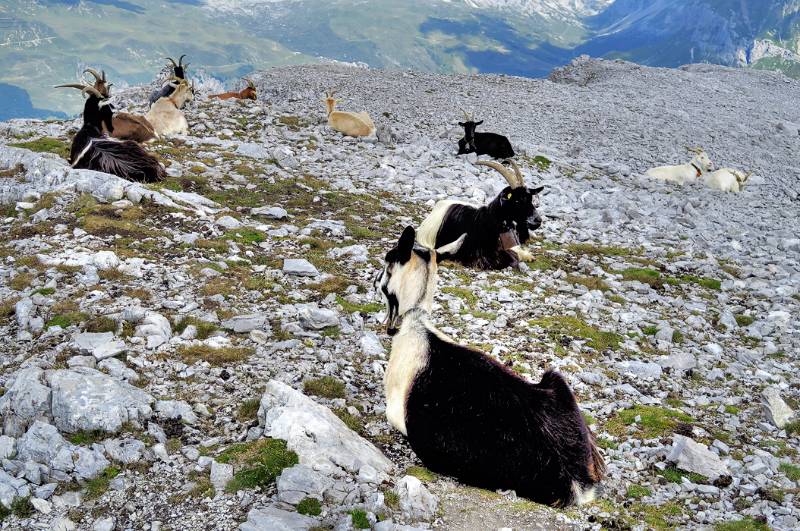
column 468, row 416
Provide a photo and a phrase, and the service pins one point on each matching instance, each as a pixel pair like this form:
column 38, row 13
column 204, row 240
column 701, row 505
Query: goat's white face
column 409, row 275
column 703, row 161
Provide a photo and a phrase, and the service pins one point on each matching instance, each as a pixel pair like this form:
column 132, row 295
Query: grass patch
column 467, row 295
column 309, row 507
column 744, row 320
column 638, row 491
column 332, row 284
column 44, row 291
column 87, row 437
column 650, row 330
column 541, row 162
column 46, row 144
column 591, row 283
column 352, row 307
column 246, row 236
column 21, row 281
column 202, row 488
column 98, row 486
column 66, row 320
column 708, row 283
column 650, row 277
column 792, row 471
column 257, row 463
column 360, row 520
column 248, row 410
column 325, row 387
column 793, row 427
column 559, row 326
column 675, row 475
column 215, row 356
column 658, row 517
column 590, row 249
column 101, row 324
column 353, row 422
column 745, row 524
column 421, row 473
column 654, row 421
column 8, row 308
column 204, row 328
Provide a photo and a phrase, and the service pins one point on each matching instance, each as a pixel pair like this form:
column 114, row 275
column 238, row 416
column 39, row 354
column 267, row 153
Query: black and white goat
column 92, row 150
column 467, row 415
column 178, row 75
column 492, row 144
column 496, row 232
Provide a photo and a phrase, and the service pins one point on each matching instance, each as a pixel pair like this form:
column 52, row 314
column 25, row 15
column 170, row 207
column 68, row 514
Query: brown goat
column 247, row 93
column 126, row 126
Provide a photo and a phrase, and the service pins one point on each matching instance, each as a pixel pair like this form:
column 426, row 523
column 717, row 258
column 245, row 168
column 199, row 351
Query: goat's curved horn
column 97, row 77
column 180, row 61
column 171, row 60
column 505, row 172
column 83, row 88
column 466, row 115
column 520, row 177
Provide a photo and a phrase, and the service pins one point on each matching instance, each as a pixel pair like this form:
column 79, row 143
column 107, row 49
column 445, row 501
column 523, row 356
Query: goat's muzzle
column 534, row 222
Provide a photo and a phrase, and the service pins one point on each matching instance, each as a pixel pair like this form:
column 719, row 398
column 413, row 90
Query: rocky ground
column 207, row 353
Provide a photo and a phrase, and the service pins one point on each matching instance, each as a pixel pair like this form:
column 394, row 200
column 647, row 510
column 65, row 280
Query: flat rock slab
column 241, row 324
column 299, row 267
column 271, row 519
column 695, row 457
column 778, row 412
column 100, row 345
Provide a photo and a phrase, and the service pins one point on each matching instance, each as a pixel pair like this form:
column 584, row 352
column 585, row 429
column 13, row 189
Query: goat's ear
column 462, row 124
column 479, row 123
column 452, row 247
column 406, row 244
column 536, row 191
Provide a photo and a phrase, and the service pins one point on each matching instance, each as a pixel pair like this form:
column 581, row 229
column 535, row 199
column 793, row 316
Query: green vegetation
column 325, row 387
column 653, row 421
column 257, row 463
column 360, row 520
column 204, row 328
column 650, row 330
column 658, row 517
column 248, row 410
column 638, row 491
column 465, row 294
column 541, row 162
column 44, row 291
column 21, row 281
column 674, row 475
column 365, row 309
column 87, row 437
column 7, row 308
column 309, row 507
column 46, row 144
column 792, row 471
column 391, row 499
column 559, row 326
column 353, row 422
column 590, row 249
column 421, row 473
column 744, row 320
column 66, row 320
column 215, row 356
column 101, row 324
column 708, row 283
column 645, row 276
column 793, row 427
column 592, row 283
column 745, row 524
column 98, row 486
column 246, row 236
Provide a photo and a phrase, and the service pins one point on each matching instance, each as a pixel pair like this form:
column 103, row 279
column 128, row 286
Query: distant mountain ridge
column 43, row 42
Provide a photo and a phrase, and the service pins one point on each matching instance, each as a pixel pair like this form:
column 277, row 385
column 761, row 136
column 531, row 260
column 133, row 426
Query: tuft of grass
column 674, row 475
column 744, row 320
column 257, row 463
column 654, row 421
column 21, row 281
column 558, row 326
column 354, row 423
column 708, row 283
column 98, row 486
column 203, row 488
column 792, row 471
column 590, row 249
column 325, row 387
column 246, row 236
column 638, row 491
column 391, row 500
column 44, row 291
column 591, row 283
column 21, row 507
column 360, row 520
column 467, row 295
column 793, row 427
column 215, row 356
column 248, row 410
column 309, row 507
column 7, row 308
column 65, row 320
column 46, row 144
column 650, row 330
column 541, row 162
column 101, row 324
column 87, row 437
column 745, row 524
column 365, row 309
column 421, row 473
column 204, row 328
column 650, row 277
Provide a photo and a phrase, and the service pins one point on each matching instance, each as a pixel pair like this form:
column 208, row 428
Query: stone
column 155, row 328
column 8, row 447
column 299, row 267
column 100, row 345
column 106, row 523
column 41, row 443
column 228, row 222
column 695, row 457
column 89, row 463
column 778, row 412
column 125, row 451
column 273, row 519
column 299, row 482
column 314, row 318
column 681, row 361
column 242, row 324
column 104, row 260
column 176, row 409
column 371, row 345
column 270, row 212
column 221, row 474
column 87, row 399
column 416, row 502
column 42, row 506
column 640, row 369
column 26, row 399
column 320, row 439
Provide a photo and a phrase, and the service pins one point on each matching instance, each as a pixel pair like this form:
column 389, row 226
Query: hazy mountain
column 43, row 42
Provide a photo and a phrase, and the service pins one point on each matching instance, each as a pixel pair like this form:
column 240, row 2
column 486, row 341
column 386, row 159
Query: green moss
column 421, row 473
column 654, row 421
column 643, row 275
column 87, row 437
column 558, row 326
column 66, row 319
column 257, row 463
column 792, row 471
column 744, row 320
column 44, row 291
column 204, row 328
column 325, row 387
column 708, row 283
column 732, row 410
column 638, row 491
column 246, row 236
column 541, row 162
column 675, row 475
column 650, row 330
column 309, row 507
column 745, row 524
column 46, row 144
column 658, row 517
column 98, row 486
column 590, row 249
column 248, row 410
column 365, row 309
column 360, row 520
column 353, row 422
column 462, row 293
column 592, row 283
column 607, row 444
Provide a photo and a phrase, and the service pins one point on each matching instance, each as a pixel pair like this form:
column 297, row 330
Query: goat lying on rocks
column 247, row 93
column 465, row 414
column 726, row 180
column 126, row 126
column 684, row 173
column 178, row 75
column 495, row 233
column 166, row 116
column 92, row 150
column 347, row 123
column 492, row 144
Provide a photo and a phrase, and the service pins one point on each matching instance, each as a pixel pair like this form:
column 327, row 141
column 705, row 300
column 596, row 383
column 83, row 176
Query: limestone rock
column 695, row 457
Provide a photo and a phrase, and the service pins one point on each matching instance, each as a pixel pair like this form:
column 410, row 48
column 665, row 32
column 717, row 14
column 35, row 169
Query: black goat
column 492, row 144
column 92, row 150
column 178, row 75
column 495, row 233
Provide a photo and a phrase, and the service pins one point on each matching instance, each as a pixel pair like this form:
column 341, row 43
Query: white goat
column 348, row 123
column 726, row 180
column 684, row 173
column 166, row 116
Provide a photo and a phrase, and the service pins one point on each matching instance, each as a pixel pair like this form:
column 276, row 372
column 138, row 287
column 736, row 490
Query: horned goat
column 492, row 144
column 166, row 116
column 126, row 126
column 247, row 93
column 94, row 151
column 726, row 180
column 348, row 123
column 178, row 75
column 684, row 173
column 496, row 232
column 465, row 414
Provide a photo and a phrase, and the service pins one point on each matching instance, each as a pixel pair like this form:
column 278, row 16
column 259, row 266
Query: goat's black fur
column 470, row 417
column 124, row 158
column 179, row 71
column 491, row 144
column 511, row 210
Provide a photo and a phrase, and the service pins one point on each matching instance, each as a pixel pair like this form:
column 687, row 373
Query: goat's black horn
column 171, row 60
column 180, row 60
